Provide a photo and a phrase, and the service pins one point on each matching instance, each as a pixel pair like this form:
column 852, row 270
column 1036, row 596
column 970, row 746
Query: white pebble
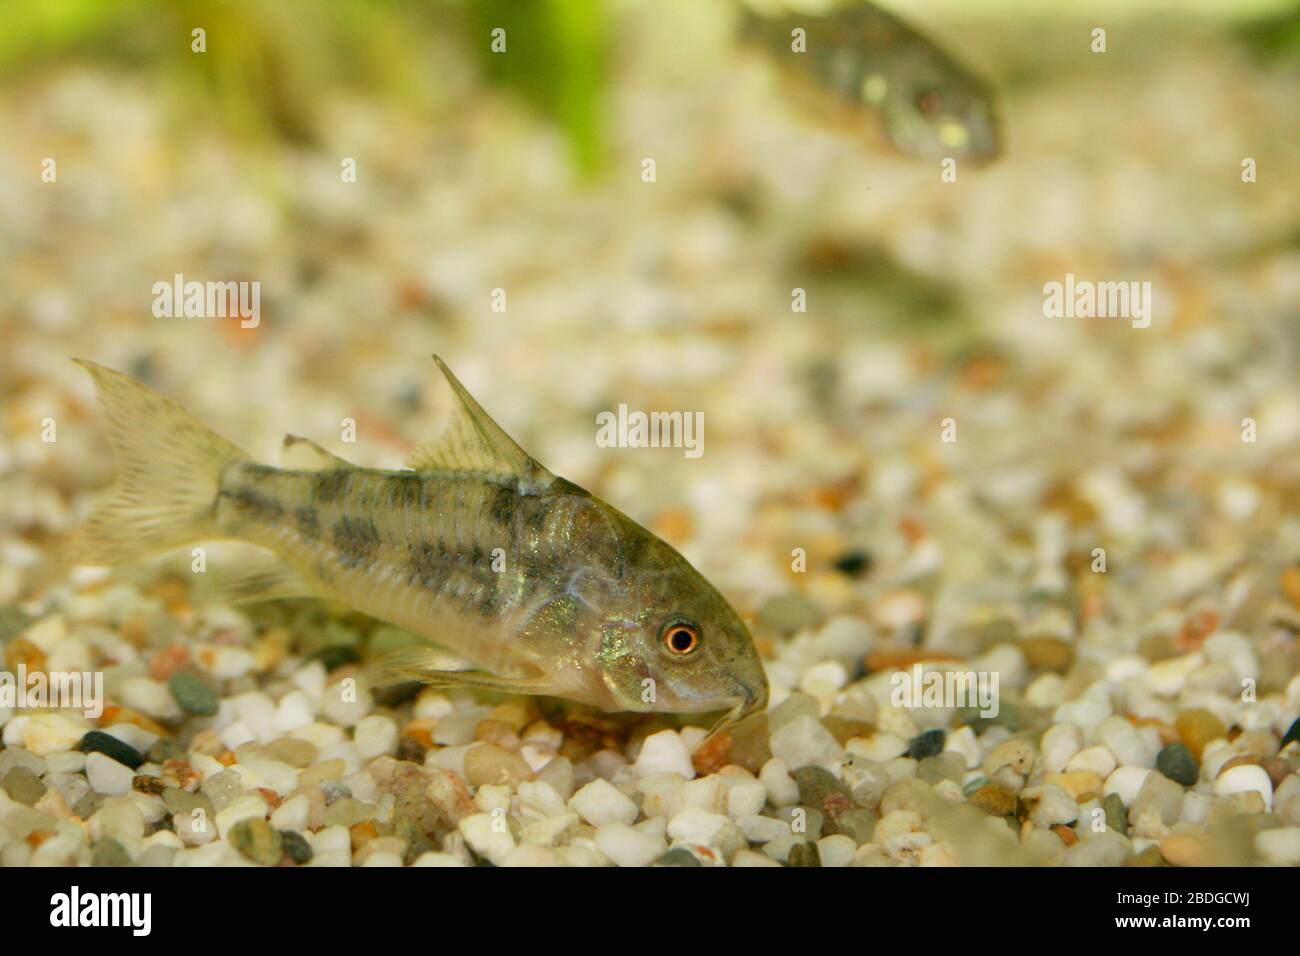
column 256, row 711
column 1280, row 846
column 1046, row 691
column 345, row 703
column 824, row 680
column 331, row 846
column 107, row 776
column 745, row 798
column 1097, row 759
column 320, row 735
column 707, row 793
column 601, row 802
column 1126, row 781
column 662, row 794
column 1121, row 668
column 375, row 736
column 492, row 797
column 1124, row 741
column 430, row 858
column 626, row 846
column 69, row 761
column 150, row 697
column 293, row 712
column 121, row 820
column 1087, row 711
column 311, row 678
column 538, row 798
column 1059, row 744
column 226, row 662
column 1244, row 778
column 271, row 774
column 1168, row 677
column 664, row 752
column 760, row 829
column 698, row 827
column 14, row 729
column 963, row 741
column 235, row 735
column 752, row 858
column 836, row 850
column 881, row 747
column 293, row 814
column 804, row 741
column 782, row 791
column 47, row 733
column 488, row 835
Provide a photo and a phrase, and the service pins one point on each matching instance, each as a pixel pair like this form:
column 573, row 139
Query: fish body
column 536, row 584
column 867, row 60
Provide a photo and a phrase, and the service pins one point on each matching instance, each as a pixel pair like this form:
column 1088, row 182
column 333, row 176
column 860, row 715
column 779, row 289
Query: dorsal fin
column 471, row 441
column 303, row 454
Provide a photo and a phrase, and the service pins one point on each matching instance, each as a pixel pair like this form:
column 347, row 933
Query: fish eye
column 928, row 101
column 681, row 638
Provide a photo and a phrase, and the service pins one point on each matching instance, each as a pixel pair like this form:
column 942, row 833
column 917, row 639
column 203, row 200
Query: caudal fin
column 169, row 466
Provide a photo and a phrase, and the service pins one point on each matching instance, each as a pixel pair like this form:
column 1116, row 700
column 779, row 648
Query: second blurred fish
column 861, row 57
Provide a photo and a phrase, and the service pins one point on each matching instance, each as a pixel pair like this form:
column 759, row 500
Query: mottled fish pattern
column 534, row 584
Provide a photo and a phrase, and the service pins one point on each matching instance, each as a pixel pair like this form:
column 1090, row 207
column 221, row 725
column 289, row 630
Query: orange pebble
column 1066, row 833
column 1196, row 629
column 1291, row 585
column 421, row 731
column 362, row 833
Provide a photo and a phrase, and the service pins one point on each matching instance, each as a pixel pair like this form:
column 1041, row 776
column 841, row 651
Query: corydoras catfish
column 869, row 61
column 535, row 585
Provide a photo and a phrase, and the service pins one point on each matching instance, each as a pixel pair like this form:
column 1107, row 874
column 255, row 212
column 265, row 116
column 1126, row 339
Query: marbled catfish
column 533, row 584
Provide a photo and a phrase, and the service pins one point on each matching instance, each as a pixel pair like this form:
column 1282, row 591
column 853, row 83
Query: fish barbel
column 866, row 59
column 532, row 583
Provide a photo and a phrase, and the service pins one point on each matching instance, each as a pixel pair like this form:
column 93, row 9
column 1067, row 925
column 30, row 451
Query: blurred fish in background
column 865, row 60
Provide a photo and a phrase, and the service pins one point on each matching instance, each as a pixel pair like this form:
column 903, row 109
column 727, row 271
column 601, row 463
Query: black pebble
column 1176, row 762
column 295, row 846
column 853, row 563
column 925, row 745
column 110, row 746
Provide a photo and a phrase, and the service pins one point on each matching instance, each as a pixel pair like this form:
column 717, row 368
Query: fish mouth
column 749, row 701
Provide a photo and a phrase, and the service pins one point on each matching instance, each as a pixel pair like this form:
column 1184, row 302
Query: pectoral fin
column 437, row 668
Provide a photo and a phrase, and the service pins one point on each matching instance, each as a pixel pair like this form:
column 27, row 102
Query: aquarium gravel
column 918, row 478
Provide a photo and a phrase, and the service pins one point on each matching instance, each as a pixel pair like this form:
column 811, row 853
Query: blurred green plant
column 267, row 61
column 1275, row 37
column 555, row 56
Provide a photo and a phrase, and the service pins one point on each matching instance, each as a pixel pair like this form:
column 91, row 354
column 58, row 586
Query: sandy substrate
column 1099, row 536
